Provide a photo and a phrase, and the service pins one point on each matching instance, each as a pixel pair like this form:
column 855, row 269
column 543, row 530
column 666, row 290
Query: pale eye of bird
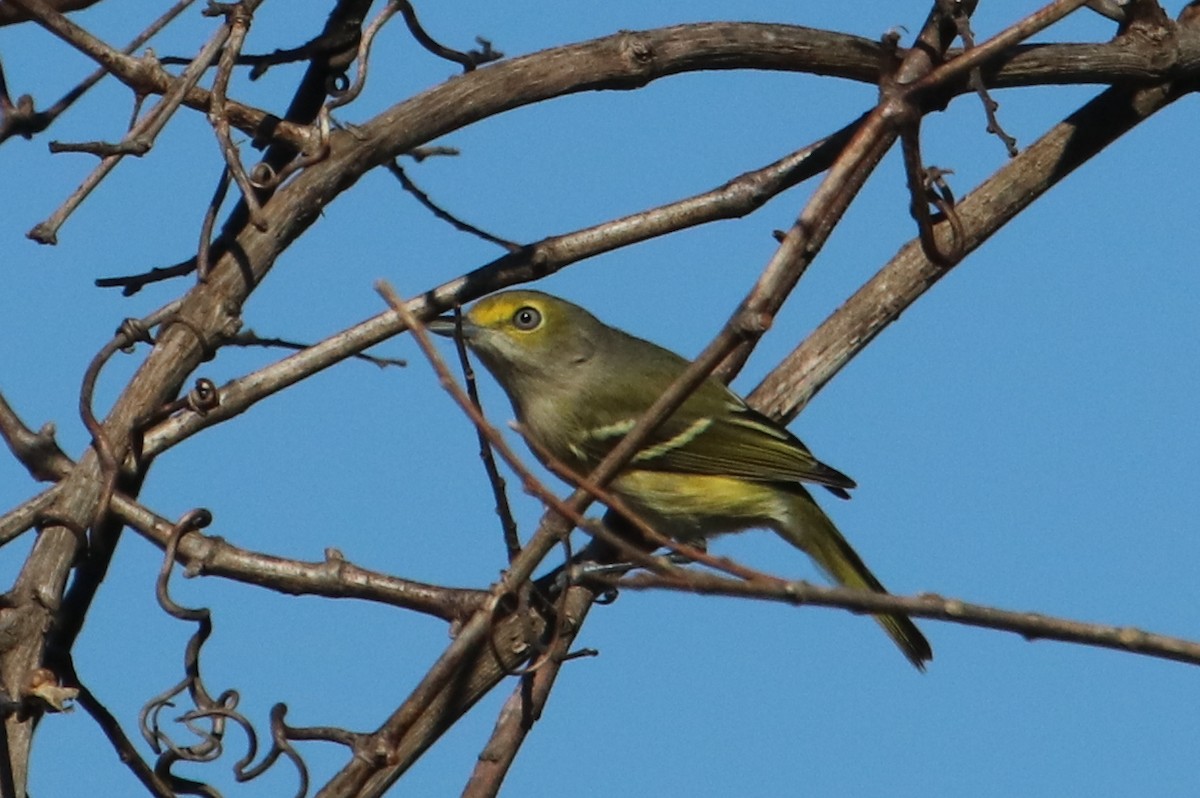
column 527, row 318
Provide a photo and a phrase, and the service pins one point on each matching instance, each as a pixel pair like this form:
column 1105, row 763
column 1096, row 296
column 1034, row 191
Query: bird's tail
column 813, row 532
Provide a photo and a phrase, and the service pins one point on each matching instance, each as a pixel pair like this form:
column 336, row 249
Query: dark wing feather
column 722, row 437
column 746, row 444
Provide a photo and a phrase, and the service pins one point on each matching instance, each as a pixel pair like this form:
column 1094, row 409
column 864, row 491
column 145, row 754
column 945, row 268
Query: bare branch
column 26, row 122
column 508, row 525
column 1030, row 625
column 982, row 212
column 335, row 577
column 142, row 134
column 734, row 199
column 468, row 60
column 406, row 182
column 237, row 18
column 519, row 620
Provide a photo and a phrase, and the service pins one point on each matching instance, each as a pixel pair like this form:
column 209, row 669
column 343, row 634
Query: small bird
column 715, row 466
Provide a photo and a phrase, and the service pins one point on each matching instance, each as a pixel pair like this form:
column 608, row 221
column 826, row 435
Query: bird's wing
column 734, row 441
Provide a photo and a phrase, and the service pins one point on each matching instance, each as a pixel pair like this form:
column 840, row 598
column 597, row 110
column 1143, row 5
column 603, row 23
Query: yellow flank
column 694, row 506
column 699, row 505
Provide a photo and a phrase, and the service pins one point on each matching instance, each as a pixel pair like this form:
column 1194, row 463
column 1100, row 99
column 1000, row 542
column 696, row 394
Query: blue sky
column 1025, row 436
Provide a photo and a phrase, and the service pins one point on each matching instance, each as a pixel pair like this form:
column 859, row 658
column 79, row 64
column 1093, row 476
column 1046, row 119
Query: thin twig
column 468, row 60
column 1029, row 625
column 131, row 284
column 508, row 524
column 29, row 123
column 994, row 47
column 363, row 57
column 250, row 338
column 736, row 198
column 145, row 131
column 334, row 577
column 982, row 212
column 406, row 182
column 238, row 18
column 980, row 88
column 122, row 745
column 26, row 515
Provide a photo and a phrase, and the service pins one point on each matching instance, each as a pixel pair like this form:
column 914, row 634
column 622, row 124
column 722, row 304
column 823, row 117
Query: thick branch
column 737, row 197
column 210, row 310
column 981, row 213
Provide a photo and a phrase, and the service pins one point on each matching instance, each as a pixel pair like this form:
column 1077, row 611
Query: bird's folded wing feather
column 741, row 443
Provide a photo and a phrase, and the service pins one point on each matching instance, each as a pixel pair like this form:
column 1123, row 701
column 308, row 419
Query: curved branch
column 210, row 310
column 146, row 76
column 683, row 48
column 736, row 198
column 980, row 213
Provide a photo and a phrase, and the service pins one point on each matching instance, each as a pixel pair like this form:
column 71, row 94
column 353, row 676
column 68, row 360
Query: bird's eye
column 527, row 318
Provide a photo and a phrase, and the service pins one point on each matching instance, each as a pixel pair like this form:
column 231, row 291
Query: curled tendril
column 209, row 717
column 262, row 175
column 204, row 397
column 337, row 85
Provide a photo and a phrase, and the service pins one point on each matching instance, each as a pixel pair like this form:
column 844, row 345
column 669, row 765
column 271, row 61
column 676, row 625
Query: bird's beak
column 446, row 327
